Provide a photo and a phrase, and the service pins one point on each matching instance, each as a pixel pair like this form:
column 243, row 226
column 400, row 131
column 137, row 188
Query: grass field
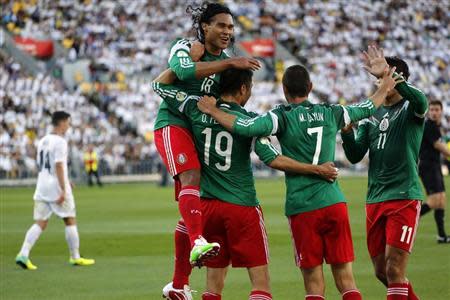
column 128, row 229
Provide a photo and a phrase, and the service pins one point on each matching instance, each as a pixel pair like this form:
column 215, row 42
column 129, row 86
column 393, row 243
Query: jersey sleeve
column 356, row 148
column 180, row 61
column 60, row 151
column 265, row 150
column 263, row 125
column 418, row 101
column 344, row 115
column 176, row 98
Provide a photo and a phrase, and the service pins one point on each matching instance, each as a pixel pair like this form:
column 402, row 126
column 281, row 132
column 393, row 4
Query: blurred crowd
column 126, row 43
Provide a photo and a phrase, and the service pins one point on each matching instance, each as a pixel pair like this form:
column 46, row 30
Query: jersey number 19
column 226, row 153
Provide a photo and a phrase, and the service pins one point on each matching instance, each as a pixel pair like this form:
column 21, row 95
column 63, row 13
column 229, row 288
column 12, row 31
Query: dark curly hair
column 203, row 14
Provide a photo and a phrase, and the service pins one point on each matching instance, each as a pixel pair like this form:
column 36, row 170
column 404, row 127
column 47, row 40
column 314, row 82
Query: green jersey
column 182, row 65
column 307, row 133
column 226, row 167
column 393, row 136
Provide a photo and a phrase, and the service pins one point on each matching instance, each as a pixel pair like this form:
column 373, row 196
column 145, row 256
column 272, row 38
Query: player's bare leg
column 190, row 210
column 260, row 280
column 73, row 242
column 215, row 281
column 379, row 265
column 314, row 282
column 31, row 237
column 398, row 284
column 345, row 282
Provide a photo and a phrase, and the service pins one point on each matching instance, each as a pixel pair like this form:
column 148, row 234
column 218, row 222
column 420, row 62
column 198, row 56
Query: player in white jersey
column 53, row 194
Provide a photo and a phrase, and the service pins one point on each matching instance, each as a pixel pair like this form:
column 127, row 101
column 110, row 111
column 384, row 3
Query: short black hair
column 399, row 64
column 437, row 102
column 231, row 80
column 204, row 14
column 296, row 81
column 59, row 116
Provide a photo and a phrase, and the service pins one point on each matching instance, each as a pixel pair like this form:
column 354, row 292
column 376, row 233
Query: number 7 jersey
column 226, row 166
column 52, row 149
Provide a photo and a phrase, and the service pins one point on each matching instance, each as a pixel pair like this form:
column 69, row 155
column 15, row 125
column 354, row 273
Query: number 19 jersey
column 225, row 157
column 51, row 149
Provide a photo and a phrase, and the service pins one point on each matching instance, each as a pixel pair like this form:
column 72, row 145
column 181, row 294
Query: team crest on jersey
column 182, row 54
column 181, row 158
column 264, row 141
column 384, row 124
column 181, row 96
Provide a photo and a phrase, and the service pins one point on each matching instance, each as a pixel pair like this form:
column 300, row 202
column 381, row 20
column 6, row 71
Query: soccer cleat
column 171, row 293
column 25, row 263
column 81, row 261
column 202, row 251
column 443, row 239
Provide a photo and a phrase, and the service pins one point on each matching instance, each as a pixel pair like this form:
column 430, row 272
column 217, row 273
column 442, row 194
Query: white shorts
column 43, row 209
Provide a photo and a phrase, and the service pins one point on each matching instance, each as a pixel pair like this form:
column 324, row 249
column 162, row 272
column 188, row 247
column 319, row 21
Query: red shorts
column 322, row 234
column 239, row 230
column 392, row 223
column 177, row 150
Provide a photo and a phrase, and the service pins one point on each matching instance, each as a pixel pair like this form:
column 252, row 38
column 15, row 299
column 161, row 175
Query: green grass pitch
column 128, row 229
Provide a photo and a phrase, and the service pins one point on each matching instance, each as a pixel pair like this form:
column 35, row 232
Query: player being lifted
column 316, row 209
column 53, row 194
column 430, row 168
column 232, row 215
column 214, row 26
column 392, row 136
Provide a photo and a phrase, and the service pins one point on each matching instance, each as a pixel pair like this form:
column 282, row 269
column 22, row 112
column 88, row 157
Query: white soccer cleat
column 171, row 293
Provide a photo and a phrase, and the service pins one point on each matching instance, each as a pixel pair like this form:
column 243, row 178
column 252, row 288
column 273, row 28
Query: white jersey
column 52, row 148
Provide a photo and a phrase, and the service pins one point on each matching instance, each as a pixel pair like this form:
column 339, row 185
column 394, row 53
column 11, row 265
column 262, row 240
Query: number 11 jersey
column 51, row 149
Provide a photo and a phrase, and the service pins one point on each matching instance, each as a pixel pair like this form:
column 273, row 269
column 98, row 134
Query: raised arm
column 185, row 68
column 355, row 148
column 417, row 99
column 263, row 125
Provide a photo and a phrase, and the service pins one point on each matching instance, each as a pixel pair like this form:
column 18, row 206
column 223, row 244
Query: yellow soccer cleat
column 25, row 263
column 81, row 261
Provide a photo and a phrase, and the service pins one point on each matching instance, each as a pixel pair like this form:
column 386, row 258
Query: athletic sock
column 211, row 296
column 439, row 218
column 314, row 297
column 260, row 295
column 424, row 209
column 31, row 237
column 411, row 294
column 73, row 241
column 397, row 291
column 182, row 250
column 190, row 209
column 351, row 295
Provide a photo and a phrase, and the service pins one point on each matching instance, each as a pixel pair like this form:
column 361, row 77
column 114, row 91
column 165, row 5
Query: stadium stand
column 126, row 44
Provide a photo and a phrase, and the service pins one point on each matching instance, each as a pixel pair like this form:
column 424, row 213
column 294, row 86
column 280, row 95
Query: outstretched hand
column 245, row 63
column 207, row 104
column 374, row 61
column 389, row 79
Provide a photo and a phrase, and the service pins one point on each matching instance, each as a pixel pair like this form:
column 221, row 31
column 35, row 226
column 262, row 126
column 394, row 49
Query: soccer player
column 392, row 136
column 316, row 208
column 214, row 25
column 430, row 168
column 53, row 194
column 232, row 215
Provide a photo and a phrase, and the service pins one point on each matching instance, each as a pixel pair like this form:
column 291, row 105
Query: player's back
column 309, row 136
column 225, row 158
column 51, row 149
